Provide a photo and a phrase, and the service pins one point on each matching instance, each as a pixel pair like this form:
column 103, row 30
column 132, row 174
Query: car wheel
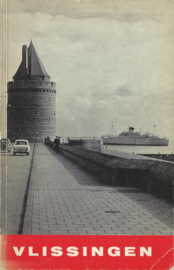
column 28, row 154
column 14, row 153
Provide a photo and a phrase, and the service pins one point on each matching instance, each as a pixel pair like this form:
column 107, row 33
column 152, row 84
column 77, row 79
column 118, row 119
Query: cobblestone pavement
column 66, row 199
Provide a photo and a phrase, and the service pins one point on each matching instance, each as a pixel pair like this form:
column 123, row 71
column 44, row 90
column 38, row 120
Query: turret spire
column 31, row 66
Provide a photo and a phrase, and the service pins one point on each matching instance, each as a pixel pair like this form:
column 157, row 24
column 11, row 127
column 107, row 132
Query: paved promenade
column 65, row 199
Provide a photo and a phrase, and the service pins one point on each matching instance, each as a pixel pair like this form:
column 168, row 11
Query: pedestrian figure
column 56, row 143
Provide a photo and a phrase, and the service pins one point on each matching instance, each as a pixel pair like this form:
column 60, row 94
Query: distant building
column 31, row 110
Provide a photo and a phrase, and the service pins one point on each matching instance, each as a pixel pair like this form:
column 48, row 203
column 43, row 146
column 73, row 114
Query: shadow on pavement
column 80, row 174
column 154, row 205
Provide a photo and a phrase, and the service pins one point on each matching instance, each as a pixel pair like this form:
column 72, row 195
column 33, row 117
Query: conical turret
column 31, row 66
column 31, row 99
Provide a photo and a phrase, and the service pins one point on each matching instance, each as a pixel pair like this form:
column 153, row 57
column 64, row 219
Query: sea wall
column 168, row 157
column 151, row 175
column 92, row 144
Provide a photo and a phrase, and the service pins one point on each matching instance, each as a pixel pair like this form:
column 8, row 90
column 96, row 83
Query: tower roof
column 31, row 66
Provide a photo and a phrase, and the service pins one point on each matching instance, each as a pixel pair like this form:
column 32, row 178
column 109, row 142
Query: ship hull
column 133, row 141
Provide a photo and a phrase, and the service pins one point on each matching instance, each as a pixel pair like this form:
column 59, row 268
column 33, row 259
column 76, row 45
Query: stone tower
column 31, row 110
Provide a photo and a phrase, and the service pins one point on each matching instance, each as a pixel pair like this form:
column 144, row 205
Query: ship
column 132, row 137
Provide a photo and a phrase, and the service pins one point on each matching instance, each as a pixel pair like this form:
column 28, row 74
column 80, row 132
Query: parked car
column 22, row 147
column 5, row 145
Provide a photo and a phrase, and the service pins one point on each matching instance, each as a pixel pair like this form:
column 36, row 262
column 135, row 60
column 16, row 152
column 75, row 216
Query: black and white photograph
column 87, row 117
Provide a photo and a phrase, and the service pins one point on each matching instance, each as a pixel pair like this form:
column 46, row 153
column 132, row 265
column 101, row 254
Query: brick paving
column 65, row 199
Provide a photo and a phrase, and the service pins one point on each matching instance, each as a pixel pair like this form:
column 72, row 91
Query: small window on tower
column 35, row 112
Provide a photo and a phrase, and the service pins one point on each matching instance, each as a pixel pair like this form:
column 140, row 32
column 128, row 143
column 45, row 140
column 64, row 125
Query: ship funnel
column 131, row 129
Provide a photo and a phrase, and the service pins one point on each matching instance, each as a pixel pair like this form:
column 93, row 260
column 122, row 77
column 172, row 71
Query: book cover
column 87, row 134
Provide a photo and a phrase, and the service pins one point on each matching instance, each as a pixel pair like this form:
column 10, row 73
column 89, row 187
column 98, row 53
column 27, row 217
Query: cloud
column 121, row 10
column 123, row 91
column 103, row 103
column 82, row 102
column 104, row 69
column 83, row 0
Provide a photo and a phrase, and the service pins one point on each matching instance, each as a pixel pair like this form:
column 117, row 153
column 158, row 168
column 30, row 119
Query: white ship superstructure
column 131, row 137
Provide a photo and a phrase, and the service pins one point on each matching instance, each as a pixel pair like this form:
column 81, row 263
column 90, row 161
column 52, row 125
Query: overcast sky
column 112, row 60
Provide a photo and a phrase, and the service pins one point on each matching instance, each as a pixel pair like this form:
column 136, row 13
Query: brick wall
column 31, row 110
